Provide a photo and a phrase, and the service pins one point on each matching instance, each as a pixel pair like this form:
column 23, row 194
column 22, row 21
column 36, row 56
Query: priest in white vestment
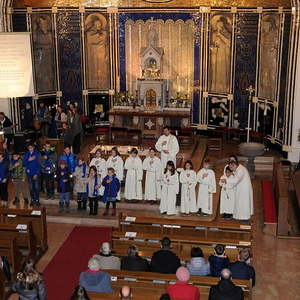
column 167, row 145
column 134, row 176
column 243, row 208
column 152, row 166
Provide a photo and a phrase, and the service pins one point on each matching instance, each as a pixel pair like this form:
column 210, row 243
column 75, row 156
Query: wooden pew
column 36, row 216
column 25, row 239
column 8, row 248
column 181, row 245
column 155, row 284
column 185, row 227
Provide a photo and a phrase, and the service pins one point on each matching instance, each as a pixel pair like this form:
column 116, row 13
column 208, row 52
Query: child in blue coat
column 111, row 188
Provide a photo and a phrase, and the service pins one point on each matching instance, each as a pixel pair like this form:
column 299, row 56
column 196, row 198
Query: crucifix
column 251, row 90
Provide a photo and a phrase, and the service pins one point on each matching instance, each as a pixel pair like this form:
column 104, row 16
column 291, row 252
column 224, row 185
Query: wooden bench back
column 36, row 216
column 185, row 227
column 8, row 248
column 180, row 245
column 24, row 238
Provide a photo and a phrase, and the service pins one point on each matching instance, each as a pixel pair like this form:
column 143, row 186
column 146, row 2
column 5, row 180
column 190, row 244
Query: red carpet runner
column 62, row 273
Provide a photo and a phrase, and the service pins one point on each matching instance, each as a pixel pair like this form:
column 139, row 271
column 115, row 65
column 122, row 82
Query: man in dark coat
column 164, row 260
column 133, row 262
column 6, row 126
column 226, row 289
column 241, row 268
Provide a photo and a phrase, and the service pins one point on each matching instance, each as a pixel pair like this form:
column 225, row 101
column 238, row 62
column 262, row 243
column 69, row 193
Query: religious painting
column 151, row 99
column 269, row 49
column 97, row 51
column 44, row 53
column 220, row 52
column 218, row 111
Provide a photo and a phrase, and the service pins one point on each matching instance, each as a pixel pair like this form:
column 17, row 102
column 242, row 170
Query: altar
column 153, row 102
column 149, row 121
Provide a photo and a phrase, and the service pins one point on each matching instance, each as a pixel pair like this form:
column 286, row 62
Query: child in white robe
column 152, row 165
column 100, row 164
column 170, row 188
column 134, row 176
column 227, row 202
column 116, row 162
column 188, row 179
column 207, row 187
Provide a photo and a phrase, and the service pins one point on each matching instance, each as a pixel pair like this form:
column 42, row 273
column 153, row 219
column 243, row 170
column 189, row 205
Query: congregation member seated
column 182, row 289
column 29, row 284
column 198, row 265
column 164, row 260
column 79, row 294
column 95, row 280
column 4, row 266
column 106, row 260
column 133, row 262
column 125, row 293
column 218, row 261
column 226, row 289
column 241, row 268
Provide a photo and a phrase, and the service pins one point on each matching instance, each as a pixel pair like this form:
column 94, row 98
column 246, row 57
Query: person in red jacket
column 182, row 290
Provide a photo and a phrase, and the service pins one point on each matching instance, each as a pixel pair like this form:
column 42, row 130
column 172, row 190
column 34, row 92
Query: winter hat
column 105, row 248
column 183, row 274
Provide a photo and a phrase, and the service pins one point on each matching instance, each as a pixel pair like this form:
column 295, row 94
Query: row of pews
column 146, row 232
column 23, row 234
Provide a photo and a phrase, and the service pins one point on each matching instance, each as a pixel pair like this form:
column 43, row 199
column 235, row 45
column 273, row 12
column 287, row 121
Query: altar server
column 134, row 176
column 207, row 186
column 243, row 208
column 116, row 162
column 170, row 188
column 188, row 179
column 152, row 165
column 100, row 164
column 168, row 146
column 227, row 193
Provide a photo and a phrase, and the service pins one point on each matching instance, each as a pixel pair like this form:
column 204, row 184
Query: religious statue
column 268, row 56
column 220, row 53
column 97, row 51
column 43, row 52
column 152, row 71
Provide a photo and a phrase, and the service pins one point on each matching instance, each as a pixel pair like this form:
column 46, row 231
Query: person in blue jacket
column 111, row 188
column 48, row 162
column 70, row 158
column 32, row 163
column 4, row 166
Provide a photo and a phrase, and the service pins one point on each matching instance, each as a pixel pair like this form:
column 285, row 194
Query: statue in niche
column 268, row 57
column 152, row 71
column 220, row 53
column 43, row 53
column 97, row 51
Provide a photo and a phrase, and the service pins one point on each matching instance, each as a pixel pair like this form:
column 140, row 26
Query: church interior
column 134, row 129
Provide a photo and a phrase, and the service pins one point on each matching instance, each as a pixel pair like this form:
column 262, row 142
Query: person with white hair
column 106, row 260
column 95, row 280
column 226, row 289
